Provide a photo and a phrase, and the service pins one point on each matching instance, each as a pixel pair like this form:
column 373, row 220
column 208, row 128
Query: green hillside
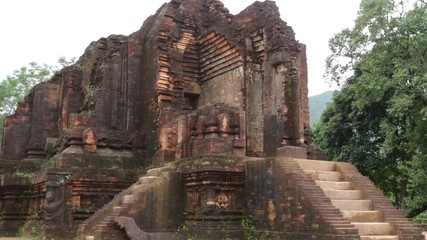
column 318, row 104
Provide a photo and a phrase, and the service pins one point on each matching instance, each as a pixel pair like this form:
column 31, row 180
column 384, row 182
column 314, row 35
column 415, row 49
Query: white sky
column 43, row 30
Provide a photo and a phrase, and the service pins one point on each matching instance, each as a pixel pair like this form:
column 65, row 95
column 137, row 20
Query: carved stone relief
column 54, row 205
column 222, row 201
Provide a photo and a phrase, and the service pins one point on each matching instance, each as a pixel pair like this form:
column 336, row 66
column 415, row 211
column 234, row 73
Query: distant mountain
column 318, row 104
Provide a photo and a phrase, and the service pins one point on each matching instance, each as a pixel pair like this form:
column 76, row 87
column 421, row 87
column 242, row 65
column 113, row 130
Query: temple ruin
column 195, row 126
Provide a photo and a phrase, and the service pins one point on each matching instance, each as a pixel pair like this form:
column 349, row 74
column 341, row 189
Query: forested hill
column 318, row 104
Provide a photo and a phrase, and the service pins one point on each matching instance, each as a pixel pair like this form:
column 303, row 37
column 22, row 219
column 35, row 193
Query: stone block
column 291, row 152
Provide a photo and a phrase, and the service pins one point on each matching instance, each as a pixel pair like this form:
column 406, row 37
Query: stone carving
column 90, row 140
column 135, row 233
column 212, row 129
column 54, row 204
column 271, row 213
column 221, row 202
column 212, row 197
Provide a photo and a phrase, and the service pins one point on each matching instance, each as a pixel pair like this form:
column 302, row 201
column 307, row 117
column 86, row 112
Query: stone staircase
column 330, row 200
column 304, row 199
column 137, row 197
column 359, row 201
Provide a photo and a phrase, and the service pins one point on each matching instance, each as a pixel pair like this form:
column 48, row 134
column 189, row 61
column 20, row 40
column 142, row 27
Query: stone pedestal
column 214, row 203
column 292, row 152
column 214, row 196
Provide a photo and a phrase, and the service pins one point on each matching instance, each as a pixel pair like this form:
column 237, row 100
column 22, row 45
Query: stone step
column 401, row 220
column 362, row 216
column 343, row 194
column 347, row 231
column 356, row 205
column 316, row 165
column 128, row 199
column 147, row 179
column 373, row 228
column 324, row 175
column 387, row 237
column 154, row 172
column 334, row 185
column 140, row 188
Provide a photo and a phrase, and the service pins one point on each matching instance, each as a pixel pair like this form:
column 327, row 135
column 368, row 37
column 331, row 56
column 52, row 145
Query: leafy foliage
column 15, row 87
column 378, row 120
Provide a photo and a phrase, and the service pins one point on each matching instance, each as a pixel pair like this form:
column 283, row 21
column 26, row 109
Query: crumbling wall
column 15, row 132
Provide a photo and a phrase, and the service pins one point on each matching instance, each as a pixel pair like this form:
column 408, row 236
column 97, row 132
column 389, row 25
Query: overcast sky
column 43, row 30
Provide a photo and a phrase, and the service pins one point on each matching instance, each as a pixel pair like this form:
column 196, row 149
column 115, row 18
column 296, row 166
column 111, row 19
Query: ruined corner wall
column 34, row 121
column 190, row 54
column 103, row 85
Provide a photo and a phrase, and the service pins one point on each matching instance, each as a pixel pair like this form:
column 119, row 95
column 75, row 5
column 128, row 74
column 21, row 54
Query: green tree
column 378, row 120
column 15, row 87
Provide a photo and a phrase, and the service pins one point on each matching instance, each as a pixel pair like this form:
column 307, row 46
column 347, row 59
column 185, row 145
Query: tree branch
column 416, row 211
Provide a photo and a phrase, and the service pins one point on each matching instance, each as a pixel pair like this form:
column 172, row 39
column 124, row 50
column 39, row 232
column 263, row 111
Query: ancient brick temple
column 195, row 126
